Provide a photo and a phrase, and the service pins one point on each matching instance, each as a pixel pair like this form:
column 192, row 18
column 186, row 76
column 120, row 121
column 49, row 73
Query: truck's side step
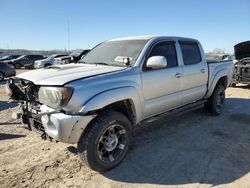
column 180, row 110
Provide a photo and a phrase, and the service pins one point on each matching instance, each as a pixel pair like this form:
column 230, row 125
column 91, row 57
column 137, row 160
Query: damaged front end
column 242, row 71
column 242, row 67
column 43, row 110
column 26, row 94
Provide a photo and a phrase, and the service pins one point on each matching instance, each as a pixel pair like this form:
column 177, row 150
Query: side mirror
column 156, row 62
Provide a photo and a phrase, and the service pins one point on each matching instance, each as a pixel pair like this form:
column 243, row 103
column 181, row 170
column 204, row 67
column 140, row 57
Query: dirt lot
column 193, row 149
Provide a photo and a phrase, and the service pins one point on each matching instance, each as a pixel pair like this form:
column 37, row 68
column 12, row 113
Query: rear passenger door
column 162, row 87
column 195, row 72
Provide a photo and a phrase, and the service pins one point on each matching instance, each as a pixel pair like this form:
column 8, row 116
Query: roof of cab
column 148, row 37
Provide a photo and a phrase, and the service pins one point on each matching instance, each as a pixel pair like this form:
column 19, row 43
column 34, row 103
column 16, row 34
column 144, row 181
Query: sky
column 43, row 24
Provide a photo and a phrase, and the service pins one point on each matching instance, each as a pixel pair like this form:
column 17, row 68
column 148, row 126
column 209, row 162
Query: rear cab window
column 190, row 53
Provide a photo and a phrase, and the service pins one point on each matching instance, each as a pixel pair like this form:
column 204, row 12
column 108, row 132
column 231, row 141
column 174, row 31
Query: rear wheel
column 233, row 84
column 215, row 103
column 1, row 76
column 17, row 66
column 106, row 141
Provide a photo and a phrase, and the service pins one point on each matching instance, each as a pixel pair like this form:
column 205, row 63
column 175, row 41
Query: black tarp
column 242, row 50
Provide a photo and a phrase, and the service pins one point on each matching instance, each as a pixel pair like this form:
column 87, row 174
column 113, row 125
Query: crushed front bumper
column 59, row 126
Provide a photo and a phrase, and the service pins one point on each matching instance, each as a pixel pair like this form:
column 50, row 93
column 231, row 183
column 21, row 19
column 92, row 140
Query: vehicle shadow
column 194, row 147
column 72, row 150
column 10, row 123
column 4, row 136
column 5, row 105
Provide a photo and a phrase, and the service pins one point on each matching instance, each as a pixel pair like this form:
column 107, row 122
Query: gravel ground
column 192, row 149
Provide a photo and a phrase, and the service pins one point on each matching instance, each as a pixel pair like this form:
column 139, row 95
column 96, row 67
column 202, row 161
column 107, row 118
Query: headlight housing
column 55, row 97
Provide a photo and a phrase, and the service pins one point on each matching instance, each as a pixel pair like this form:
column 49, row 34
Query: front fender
column 108, row 97
column 218, row 75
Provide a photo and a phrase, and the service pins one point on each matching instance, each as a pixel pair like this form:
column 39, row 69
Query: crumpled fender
column 108, row 97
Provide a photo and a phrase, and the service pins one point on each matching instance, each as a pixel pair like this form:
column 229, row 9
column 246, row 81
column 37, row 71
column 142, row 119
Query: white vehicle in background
column 74, row 57
column 230, row 58
column 47, row 61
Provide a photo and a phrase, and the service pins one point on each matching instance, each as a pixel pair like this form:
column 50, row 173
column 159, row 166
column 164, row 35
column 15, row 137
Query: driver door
column 162, row 87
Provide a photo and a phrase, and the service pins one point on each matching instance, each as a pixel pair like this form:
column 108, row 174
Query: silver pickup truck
column 118, row 84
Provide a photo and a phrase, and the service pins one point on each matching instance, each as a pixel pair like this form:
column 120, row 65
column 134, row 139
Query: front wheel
column 17, row 66
column 106, row 141
column 215, row 103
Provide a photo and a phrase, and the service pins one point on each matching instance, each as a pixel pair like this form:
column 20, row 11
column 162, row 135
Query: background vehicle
column 9, row 57
column 2, row 54
column 47, row 61
column 242, row 66
column 25, row 60
column 72, row 58
column 117, row 85
column 6, row 70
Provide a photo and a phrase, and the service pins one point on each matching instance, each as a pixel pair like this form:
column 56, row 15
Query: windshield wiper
column 96, row 63
column 100, row 63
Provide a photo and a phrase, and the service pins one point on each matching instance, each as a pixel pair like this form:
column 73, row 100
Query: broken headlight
column 55, row 97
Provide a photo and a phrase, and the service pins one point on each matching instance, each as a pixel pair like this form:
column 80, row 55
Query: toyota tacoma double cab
column 117, row 85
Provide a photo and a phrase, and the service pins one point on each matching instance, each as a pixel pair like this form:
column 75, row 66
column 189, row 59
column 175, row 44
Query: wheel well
column 222, row 81
column 47, row 64
column 126, row 107
column 18, row 64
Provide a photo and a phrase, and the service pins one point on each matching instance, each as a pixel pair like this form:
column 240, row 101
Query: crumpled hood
column 62, row 74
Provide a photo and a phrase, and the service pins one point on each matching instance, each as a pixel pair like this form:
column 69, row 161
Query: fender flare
column 217, row 76
column 108, row 97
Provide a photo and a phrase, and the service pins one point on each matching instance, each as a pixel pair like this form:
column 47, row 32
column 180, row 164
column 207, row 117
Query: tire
column 215, row 103
column 17, row 66
column 1, row 76
column 99, row 148
column 233, row 84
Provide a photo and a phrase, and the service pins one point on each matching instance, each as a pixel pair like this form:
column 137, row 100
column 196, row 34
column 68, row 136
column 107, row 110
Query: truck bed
column 217, row 67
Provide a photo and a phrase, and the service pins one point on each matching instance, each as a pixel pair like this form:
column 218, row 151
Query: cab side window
column 190, row 53
column 167, row 50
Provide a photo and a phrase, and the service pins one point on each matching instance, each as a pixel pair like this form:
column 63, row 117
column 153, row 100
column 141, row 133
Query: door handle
column 178, row 75
column 203, row 70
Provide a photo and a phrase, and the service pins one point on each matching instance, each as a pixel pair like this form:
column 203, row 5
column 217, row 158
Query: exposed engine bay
column 242, row 67
column 26, row 94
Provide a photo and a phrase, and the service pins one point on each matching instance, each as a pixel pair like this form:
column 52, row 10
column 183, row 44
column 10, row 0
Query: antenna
column 68, row 37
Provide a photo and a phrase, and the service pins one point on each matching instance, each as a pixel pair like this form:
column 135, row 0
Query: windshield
column 50, row 57
column 20, row 57
column 4, row 57
column 115, row 53
column 76, row 53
